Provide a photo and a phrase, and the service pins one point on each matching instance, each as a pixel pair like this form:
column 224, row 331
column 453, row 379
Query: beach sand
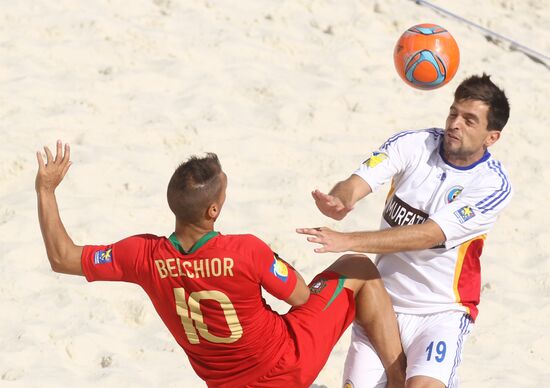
column 292, row 96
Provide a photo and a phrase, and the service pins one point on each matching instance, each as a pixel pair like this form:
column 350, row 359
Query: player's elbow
column 432, row 235
column 56, row 264
column 66, row 268
column 68, row 262
column 303, row 298
column 299, row 296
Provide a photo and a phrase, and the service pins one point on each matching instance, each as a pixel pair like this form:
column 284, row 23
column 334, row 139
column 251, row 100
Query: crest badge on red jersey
column 318, row 286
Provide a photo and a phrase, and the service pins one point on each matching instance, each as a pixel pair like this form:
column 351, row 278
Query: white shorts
column 432, row 343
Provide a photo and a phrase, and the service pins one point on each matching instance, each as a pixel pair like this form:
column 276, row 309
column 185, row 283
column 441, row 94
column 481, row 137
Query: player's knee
column 424, row 382
column 355, row 266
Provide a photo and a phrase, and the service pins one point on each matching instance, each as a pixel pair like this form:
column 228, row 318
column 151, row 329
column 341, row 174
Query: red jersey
column 209, row 298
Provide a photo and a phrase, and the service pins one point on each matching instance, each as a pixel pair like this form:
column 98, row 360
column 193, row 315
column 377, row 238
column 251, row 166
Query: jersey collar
column 203, row 240
column 484, row 158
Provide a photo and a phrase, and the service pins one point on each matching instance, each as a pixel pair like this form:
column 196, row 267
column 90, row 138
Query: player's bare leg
column 424, row 382
column 374, row 313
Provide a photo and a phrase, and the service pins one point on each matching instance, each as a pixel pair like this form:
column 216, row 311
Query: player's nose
column 455, row 122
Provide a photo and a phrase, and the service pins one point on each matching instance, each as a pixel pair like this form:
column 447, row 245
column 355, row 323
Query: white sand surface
column 292, row 95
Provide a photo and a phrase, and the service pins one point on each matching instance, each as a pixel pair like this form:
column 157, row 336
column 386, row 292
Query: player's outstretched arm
column 330, row 240
column 342, row 198
column 63, row 254
column 398, row 239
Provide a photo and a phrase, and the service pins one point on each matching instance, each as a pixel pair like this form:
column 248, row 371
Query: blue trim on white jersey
column 484, row 158
column 498, row 196
column 465, row 322
column 434, row 131
column 394, row 138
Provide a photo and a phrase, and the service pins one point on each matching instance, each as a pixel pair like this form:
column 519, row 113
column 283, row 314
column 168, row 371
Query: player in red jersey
column 206, row 287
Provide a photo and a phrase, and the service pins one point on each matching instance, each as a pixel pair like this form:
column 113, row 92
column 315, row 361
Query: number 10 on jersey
column 191, row 316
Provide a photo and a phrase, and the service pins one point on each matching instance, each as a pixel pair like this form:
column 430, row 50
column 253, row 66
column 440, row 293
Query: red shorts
column 314, row 327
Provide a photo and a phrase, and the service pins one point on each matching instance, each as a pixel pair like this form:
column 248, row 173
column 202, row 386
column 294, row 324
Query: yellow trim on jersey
column 459, row 262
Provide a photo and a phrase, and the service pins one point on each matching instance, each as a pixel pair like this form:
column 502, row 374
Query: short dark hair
column 194, row 186
column 481, row 88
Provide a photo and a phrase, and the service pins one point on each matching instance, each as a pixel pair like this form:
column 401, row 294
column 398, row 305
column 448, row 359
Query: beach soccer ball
column 426, row 56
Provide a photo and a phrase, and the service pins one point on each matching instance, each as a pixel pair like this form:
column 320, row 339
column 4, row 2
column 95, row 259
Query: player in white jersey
column 446, row 193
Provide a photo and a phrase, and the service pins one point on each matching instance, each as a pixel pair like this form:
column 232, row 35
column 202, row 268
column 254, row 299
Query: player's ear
column 213, row 211
column 492, row 138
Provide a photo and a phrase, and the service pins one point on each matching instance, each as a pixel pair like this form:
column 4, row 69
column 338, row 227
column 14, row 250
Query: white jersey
column 463, row 201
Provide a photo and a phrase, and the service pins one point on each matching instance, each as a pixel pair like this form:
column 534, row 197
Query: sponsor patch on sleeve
column 375, row 159
column 103, row 256
column 279, row 268
column 464, row 214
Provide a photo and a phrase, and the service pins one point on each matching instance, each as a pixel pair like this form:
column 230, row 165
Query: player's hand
column 330, row 240
column 330, row 205
column 53, row 170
